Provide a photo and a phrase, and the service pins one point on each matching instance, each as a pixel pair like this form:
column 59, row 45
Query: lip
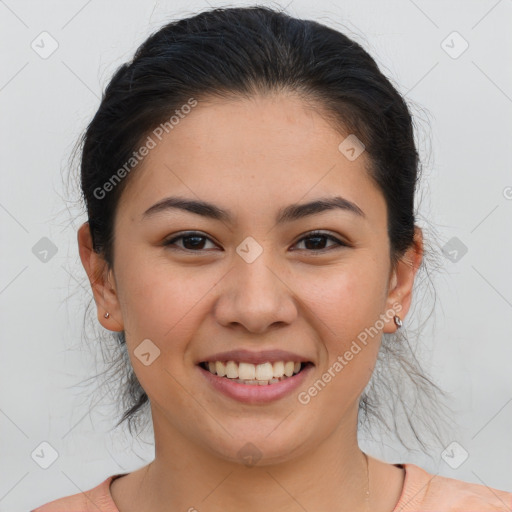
column 256, row 394
column 246, row 356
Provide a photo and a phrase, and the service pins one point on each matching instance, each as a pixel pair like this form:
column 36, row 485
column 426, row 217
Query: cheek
column 346, row 303
column 164, row 302
column 160, row 304
column 347, row 295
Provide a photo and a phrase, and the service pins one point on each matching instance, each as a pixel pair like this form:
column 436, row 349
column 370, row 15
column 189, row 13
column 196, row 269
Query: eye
column 194, row 240
column 317, row 236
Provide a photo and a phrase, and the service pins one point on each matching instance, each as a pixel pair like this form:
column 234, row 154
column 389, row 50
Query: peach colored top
column 422, row 492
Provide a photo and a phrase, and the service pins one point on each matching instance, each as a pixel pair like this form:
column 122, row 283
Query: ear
column 402, row 279
column 102, row 281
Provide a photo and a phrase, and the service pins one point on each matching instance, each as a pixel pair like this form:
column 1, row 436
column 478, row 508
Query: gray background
column 467, row 194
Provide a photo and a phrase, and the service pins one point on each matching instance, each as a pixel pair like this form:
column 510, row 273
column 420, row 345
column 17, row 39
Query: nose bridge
column 254, row 271
column 256, row 295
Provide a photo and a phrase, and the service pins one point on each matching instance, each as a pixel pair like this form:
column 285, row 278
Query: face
column 195, row 285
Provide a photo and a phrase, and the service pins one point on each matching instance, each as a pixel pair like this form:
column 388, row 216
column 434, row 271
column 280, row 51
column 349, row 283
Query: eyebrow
column 288, row 214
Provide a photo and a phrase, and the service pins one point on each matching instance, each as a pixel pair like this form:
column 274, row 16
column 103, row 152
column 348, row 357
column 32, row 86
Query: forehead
column 253, row 152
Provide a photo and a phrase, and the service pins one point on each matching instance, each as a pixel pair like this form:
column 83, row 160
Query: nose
column 255, row 296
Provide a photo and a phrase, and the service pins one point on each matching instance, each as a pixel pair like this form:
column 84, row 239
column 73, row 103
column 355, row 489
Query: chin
column 263, row 446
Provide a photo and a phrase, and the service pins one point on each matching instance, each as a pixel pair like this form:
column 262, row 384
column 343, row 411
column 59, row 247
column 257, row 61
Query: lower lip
column 255, row 393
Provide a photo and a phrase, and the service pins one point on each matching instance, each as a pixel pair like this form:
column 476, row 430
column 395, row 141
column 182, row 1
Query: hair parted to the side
column 242, row 52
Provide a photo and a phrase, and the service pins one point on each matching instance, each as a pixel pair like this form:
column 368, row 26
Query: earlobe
column 103, row 291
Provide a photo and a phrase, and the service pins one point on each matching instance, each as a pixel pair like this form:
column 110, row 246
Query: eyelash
column 312, row 234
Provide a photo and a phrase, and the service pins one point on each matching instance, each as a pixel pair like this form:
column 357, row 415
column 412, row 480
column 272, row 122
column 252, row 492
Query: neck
column 184, row 476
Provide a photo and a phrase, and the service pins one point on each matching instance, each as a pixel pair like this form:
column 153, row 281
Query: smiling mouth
column 254, row 375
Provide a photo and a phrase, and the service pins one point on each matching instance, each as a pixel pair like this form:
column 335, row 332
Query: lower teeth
column 258, row 382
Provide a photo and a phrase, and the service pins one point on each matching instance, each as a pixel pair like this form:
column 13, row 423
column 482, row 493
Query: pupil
column 194, row 244
column 317, row 238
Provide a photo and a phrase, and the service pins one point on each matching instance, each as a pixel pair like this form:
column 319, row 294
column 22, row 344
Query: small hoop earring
column 107, row 315
column 398, row 321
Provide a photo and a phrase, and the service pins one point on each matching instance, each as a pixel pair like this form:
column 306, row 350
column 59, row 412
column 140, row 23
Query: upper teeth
column 248, row 371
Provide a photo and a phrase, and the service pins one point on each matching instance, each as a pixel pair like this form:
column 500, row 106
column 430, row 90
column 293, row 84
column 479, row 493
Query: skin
column 252, row 157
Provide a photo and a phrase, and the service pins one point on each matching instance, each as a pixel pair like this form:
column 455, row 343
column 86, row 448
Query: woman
column 249, row 181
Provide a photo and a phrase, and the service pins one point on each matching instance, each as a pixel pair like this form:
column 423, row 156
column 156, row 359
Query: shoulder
column 97, row 498
column 424, row 491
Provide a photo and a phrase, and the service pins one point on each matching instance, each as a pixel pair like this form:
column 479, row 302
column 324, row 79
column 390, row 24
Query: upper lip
column 264, row 356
